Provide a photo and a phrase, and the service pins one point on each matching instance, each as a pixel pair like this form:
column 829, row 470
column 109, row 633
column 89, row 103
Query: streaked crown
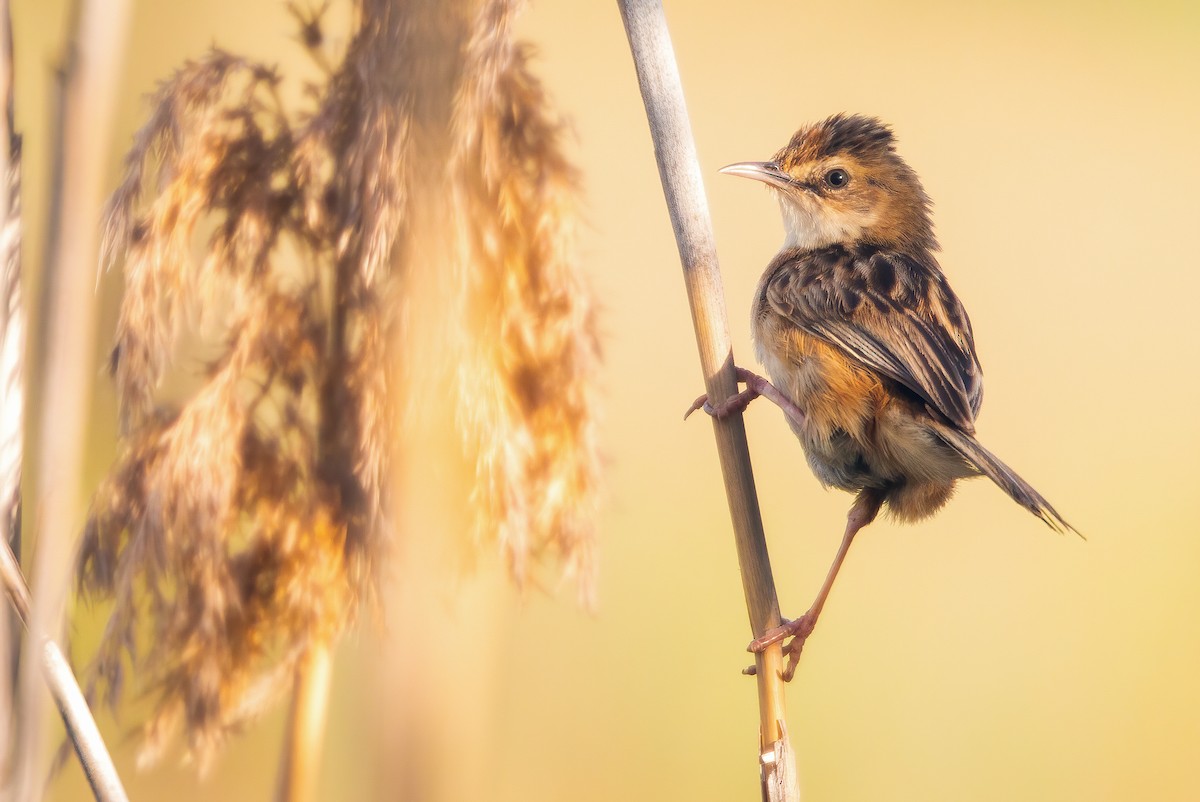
column 863, row 137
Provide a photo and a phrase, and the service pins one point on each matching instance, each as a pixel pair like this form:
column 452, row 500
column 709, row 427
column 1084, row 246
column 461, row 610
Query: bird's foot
column 797, row 630
column 733, row 404
column 755, row 386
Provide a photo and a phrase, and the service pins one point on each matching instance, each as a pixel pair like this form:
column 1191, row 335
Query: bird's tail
column 991, row 466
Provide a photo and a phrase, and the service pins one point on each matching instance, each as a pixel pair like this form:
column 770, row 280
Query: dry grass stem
column 305, row 729
column 12, row 303
column 12, row 376
column 87, row 91
column 82, row 731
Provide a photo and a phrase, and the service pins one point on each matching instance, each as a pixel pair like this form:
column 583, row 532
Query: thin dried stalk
column 530, row 353
column 88, row 94
column 305, row 729
column 679, row 169
column 12, row 376
column 72, row 706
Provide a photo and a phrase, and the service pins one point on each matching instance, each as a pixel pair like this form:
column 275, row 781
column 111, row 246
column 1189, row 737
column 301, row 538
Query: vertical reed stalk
column 12, row 378
column 89, row 86
column 679, row 169
column 304, row 736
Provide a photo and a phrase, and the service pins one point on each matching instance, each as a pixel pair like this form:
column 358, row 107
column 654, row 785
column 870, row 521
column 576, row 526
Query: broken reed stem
column 679, row 169
column 85, row 736
column 88, row 83
column 303, row 738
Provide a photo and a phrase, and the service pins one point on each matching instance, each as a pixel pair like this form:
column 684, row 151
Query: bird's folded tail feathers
column 1008, row 480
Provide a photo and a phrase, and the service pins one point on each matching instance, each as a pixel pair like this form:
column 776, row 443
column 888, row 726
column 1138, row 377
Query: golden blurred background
column 976, row 656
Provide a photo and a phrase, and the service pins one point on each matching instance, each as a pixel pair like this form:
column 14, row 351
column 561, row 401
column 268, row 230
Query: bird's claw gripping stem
column 797, row 630
column 755, row 386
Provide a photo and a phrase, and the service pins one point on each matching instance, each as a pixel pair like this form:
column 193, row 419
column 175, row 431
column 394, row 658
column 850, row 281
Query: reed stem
column 679, row 169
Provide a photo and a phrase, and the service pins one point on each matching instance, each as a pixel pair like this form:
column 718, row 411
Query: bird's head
column 841, row 181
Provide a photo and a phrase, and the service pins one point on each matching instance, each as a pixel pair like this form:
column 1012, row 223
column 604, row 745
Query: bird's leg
column 862, row 512
column 755, row 386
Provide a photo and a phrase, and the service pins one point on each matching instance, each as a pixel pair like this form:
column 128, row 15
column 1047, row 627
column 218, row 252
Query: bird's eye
column 837, row 178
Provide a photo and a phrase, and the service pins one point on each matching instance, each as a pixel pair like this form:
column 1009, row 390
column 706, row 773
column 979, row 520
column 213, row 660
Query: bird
column 867, row 349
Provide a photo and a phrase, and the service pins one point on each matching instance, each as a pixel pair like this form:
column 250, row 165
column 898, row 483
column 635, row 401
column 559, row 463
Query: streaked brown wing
column 889, row 311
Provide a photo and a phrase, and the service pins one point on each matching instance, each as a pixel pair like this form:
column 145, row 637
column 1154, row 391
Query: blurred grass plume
column 245, row 524
column 530, row 353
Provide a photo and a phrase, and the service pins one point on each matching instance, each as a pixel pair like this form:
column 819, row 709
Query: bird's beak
column 767, row 172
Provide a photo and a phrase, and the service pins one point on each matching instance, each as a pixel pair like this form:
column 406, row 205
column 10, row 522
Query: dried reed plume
column 530, row 351
column 243, row 527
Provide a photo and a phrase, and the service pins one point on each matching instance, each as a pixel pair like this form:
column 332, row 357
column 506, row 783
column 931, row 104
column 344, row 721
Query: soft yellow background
column 973, row 657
